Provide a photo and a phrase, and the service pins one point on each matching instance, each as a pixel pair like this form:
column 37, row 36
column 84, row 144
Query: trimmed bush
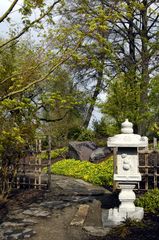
column 54, row 153
column 149, row 201
column 101, row 173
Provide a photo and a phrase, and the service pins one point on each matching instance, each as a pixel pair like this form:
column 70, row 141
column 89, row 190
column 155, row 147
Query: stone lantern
column 127, row 172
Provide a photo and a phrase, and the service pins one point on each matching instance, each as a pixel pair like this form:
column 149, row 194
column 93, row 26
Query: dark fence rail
column 28, row 171
column 149, row 169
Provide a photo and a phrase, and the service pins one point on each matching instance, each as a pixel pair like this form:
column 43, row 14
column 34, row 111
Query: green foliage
column 54, row 153
column 130, row 230
column 64, row 103
column 149, row 201
column 101, row 173
column 74, row 133
column 105, row 127
column 86, row 135
column 81, row 134
column 11, row 144
column 101, row 142
column 153, row 99
column 123, row 101
column 17, row 114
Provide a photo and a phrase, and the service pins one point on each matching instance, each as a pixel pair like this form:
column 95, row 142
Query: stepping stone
column 29, row 221
column 96, row 231
column 80, row 215
column 18, row 234
column 51, row 204
column 36, row 213
column 82, row 199
column 28, row 232
column 94, row 217
column 12, row 225
column 14, row 236
column 61, row 206
column 1, row 234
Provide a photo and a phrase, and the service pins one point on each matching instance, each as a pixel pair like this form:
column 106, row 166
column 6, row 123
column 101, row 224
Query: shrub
column 101, row 173
column 54, row 153
column 81, row 134
column 149, row 201
column 86, row 135
column 105, row 127
column 74, row 133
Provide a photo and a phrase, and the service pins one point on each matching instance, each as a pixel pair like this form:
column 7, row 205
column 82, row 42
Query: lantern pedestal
column 115, row 216
column 126, row 175
column 127, row 207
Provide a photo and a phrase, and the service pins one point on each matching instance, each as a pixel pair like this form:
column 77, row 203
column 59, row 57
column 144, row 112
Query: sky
column 4, row 5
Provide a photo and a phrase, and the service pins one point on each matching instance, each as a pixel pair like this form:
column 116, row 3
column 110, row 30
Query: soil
column 57, row 226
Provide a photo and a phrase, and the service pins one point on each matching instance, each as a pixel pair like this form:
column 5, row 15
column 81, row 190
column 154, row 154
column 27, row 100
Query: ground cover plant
column 101, row 173
column 149, row 201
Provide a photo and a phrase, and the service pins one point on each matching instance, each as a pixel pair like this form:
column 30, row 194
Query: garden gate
column 30, row 170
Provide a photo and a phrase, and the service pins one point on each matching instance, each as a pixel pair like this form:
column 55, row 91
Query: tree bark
column 145, row 78
column 94, row 99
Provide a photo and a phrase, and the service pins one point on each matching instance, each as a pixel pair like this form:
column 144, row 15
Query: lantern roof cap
column 127, row 138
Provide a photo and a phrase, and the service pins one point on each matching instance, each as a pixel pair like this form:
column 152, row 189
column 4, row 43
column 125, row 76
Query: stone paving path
column 49, row 217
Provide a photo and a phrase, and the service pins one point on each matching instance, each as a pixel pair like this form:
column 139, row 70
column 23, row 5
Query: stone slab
column 97, row 231
column 36, row 213
column 80, row 215
column 72, row 186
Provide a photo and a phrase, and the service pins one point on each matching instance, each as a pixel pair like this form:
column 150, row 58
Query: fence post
column 49, row 162
column 37, row 179
column 39, row 165
column 114, row 167
column 154, row 143
column 155, row 169
column 146, row 171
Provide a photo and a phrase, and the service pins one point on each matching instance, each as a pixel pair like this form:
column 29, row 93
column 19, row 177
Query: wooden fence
column 28, row 171
column 149, row 169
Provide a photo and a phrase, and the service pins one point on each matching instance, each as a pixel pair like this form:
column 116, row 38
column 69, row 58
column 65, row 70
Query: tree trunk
column 94, row 99
column 144, row 71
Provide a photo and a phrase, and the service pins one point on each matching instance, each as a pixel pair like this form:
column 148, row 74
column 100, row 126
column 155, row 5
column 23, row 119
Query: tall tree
column 88, row 19
column 134, row 39
column 45, row 12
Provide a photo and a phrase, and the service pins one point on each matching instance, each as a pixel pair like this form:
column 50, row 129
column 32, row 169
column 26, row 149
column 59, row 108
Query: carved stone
column 127, row 172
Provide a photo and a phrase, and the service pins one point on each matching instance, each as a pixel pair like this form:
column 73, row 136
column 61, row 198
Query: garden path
column 49, row 215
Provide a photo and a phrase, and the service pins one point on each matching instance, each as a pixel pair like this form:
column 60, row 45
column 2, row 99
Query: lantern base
column 116, row 216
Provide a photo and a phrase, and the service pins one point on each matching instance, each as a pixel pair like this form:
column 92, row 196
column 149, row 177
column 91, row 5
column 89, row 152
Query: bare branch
column 26, row 28
column 8, row 11
column 152, row 24
column 64, row 59
column 54, row 120
column 41, row 64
